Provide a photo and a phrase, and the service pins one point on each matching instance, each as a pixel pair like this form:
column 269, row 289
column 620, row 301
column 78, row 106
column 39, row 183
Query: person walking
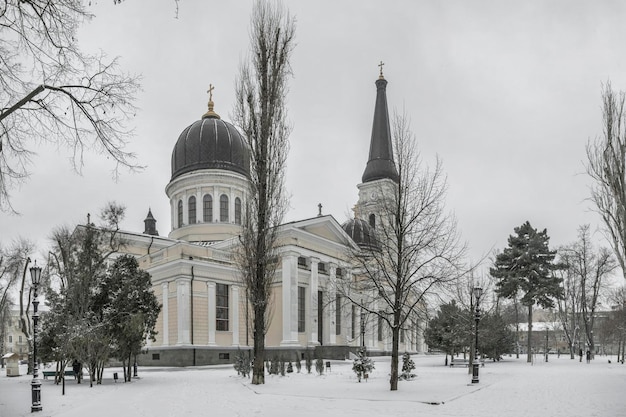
column 588, row 356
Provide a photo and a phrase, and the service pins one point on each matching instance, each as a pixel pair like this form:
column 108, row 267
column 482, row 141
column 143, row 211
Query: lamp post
column 35, row 274
column 478, row 292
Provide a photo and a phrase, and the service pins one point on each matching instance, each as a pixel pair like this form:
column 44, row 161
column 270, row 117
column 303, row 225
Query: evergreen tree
column 527, row 266
column 130, row 308
column 362, row 365
column 496, row 338
column 407, row 366
column 450, row 331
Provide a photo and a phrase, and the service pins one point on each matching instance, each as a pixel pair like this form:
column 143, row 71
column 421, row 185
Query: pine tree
column 362, row 365
column 407, row 366
column 527, row 265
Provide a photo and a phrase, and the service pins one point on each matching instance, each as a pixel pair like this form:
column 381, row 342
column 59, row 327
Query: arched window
column 207, row 209
column 179, row 213
column 372, row 220
column 237, row 210
column 191, row 210
column 224, row 208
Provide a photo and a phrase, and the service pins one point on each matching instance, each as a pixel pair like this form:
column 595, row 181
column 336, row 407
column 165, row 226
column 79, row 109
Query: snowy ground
column 561, row 387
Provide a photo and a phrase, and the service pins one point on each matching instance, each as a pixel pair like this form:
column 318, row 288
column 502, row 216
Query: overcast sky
column 507, row 93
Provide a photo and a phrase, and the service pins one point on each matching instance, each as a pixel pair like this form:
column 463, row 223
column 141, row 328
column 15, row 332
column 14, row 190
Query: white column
column 290, row 298
column 165, row 313
column 182, row 296
column 332, row 309
column 235, row 315
column 313, row 288
column 211, row 311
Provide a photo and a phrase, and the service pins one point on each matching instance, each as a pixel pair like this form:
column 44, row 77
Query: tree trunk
column 393, row 381
column 516, row 330
column 529, row 344
column 258, row 370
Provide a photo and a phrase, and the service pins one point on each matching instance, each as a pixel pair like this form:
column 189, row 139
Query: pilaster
column 211, row 312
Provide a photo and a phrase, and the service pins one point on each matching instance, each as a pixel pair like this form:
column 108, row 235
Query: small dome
column 361, row 233
column 210, row 143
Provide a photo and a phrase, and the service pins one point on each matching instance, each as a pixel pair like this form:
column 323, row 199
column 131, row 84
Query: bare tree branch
column 50, row 91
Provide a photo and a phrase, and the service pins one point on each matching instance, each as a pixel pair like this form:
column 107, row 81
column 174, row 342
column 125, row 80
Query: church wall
column 158, row 293
column 275, row 332
column 243, row 322
column 172, row 316
column 223, row 338
column 200, row 313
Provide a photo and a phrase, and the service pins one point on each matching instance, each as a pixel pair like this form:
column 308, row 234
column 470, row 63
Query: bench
column 46, row 374
column 459, row 362
column 465, row 362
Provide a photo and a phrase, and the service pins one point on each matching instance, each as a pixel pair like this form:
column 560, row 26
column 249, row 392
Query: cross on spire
column 381, row 69
column 212, row 87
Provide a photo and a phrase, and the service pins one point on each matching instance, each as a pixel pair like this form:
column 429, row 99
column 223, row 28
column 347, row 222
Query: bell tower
column 380, row 176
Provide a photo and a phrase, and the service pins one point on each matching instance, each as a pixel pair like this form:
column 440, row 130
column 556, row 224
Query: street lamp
column 478, row 292
column 35, row 274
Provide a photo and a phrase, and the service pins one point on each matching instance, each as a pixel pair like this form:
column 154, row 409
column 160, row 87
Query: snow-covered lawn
column 561, row 387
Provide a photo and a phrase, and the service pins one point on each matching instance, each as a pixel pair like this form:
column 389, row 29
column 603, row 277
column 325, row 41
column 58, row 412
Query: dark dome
column 210, row 143
column 361, row 233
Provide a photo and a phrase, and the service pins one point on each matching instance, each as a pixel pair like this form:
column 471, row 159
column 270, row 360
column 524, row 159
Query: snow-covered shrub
column 242, row 363
column 298, row 363
column 289, row 367
column 274, row 366
column 362, row 365
column 308, row 361
column 407, row 366
column 319, row 365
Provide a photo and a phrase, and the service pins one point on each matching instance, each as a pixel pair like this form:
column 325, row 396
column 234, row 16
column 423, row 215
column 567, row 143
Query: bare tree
column 590, row 268
column 50, row 91
column 607, row 167
column 569, row 306
column 416, row 251
column 260, row 112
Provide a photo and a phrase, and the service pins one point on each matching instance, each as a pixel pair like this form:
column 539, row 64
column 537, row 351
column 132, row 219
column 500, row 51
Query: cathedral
column 204, row 318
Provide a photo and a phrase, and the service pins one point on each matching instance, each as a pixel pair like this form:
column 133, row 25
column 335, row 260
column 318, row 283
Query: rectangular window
column 339, row 272
column 321, row 267
column 221, row 307
column 224, row 355
column 20, row 339
column 10, row 339
column 380, row 329
column 156, row 356
column 338, row 315
column 353, row 322
column 301, row 262
column 301, row 309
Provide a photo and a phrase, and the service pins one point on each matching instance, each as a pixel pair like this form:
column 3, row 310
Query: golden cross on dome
column 381, row 69
column 210, row 91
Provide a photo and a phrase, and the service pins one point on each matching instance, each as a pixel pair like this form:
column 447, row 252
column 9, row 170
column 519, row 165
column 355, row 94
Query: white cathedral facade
column 204, row 318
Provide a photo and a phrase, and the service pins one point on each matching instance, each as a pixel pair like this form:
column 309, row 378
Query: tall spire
column 380, row 164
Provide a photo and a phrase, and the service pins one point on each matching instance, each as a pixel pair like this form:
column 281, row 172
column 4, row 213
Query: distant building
column 14, row 339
